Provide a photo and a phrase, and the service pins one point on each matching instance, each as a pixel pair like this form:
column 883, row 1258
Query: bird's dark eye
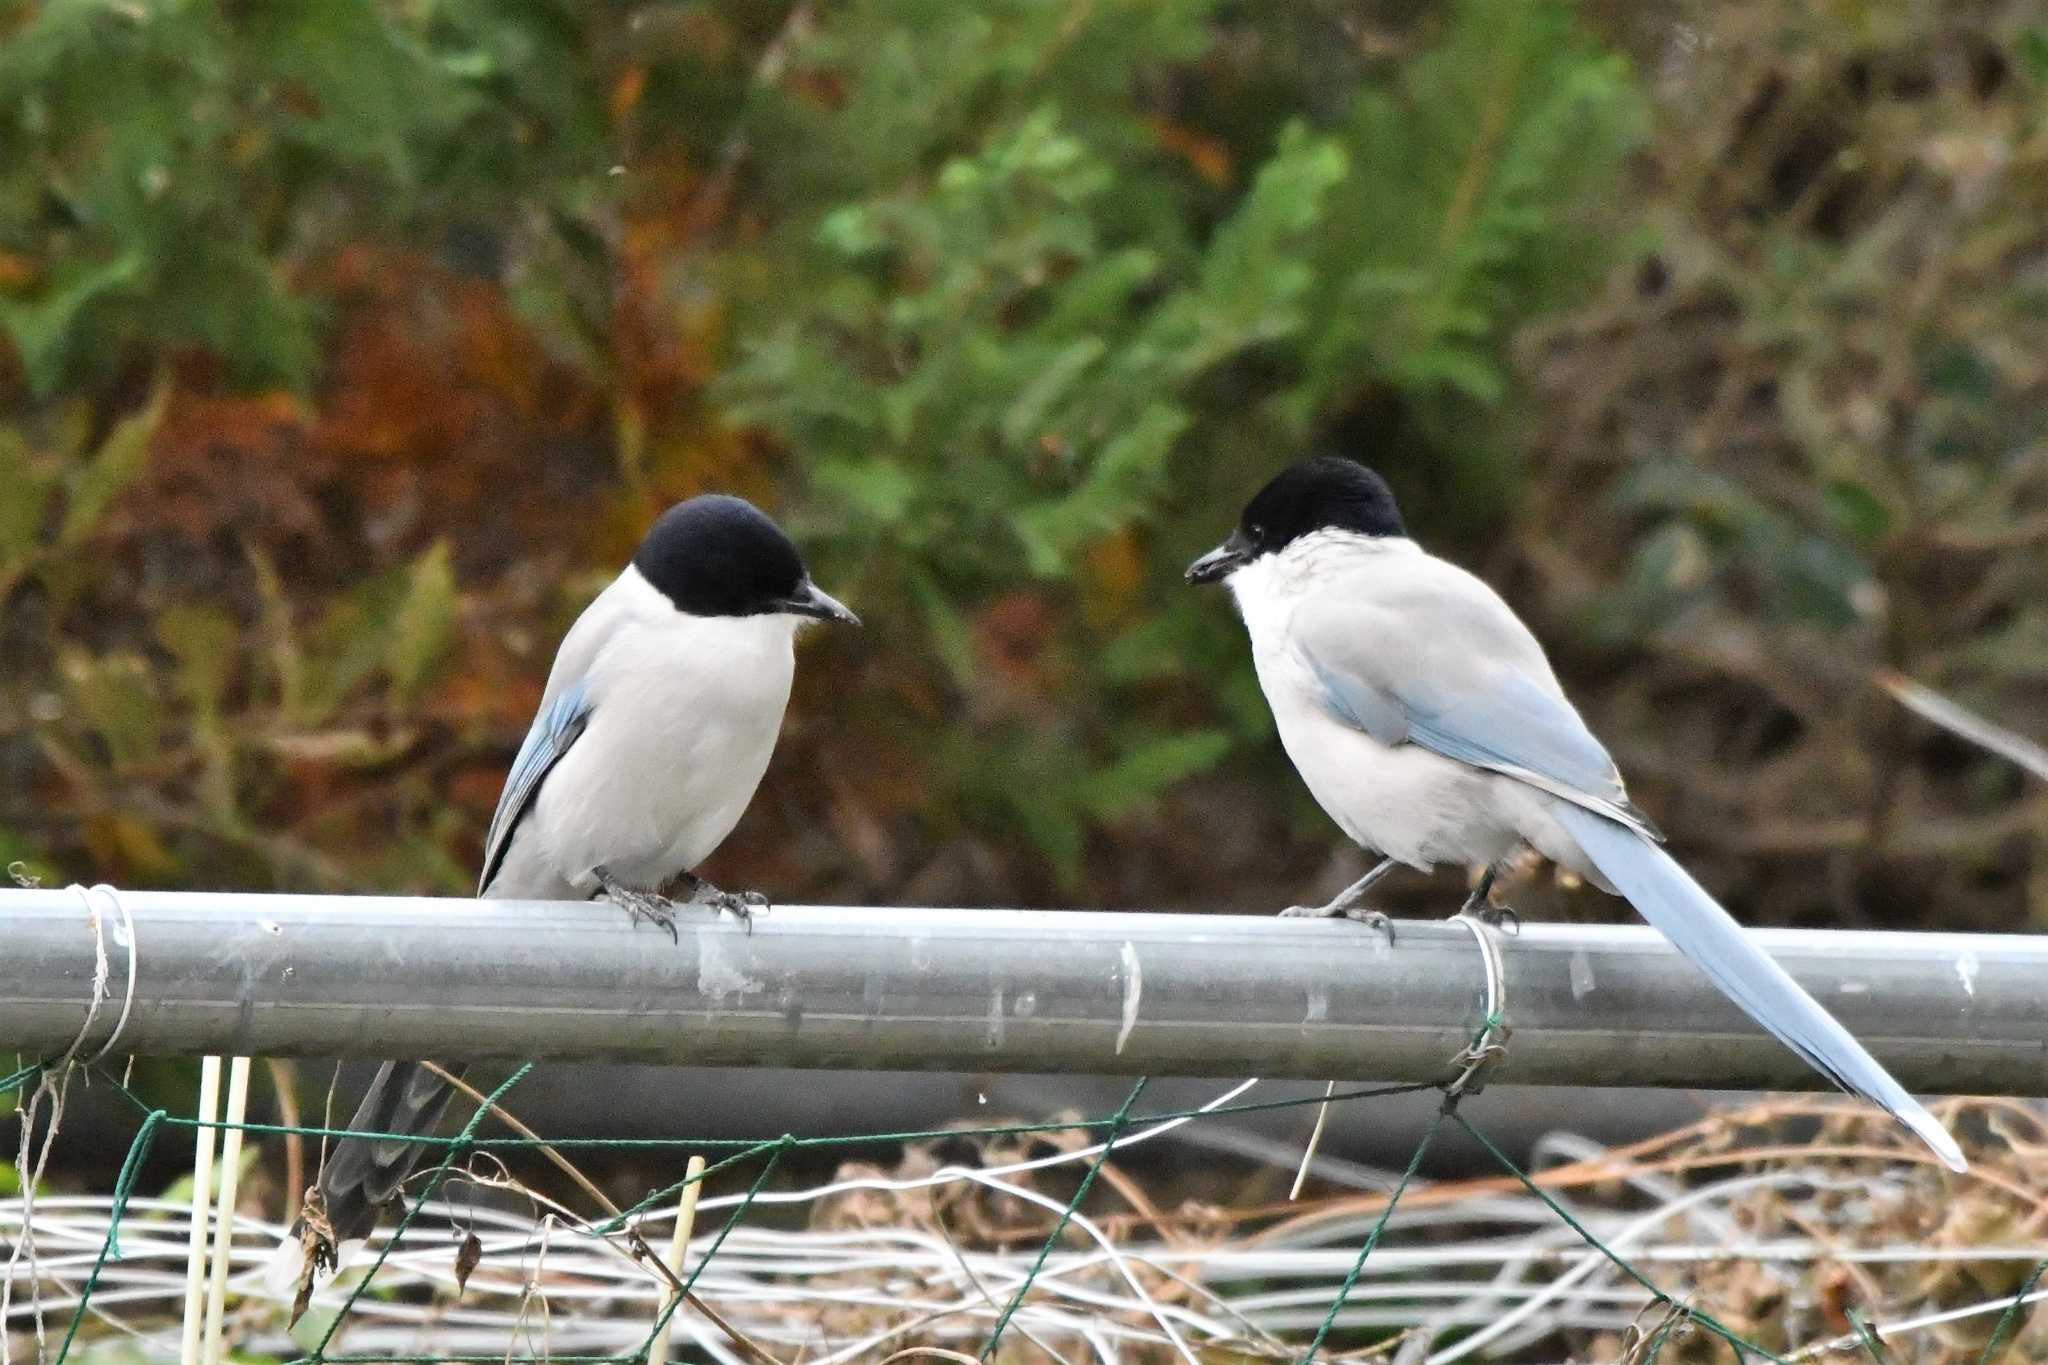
column 1258, row 532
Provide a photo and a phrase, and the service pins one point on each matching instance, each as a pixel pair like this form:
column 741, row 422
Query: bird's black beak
column 812, row 600
column 1221, row 562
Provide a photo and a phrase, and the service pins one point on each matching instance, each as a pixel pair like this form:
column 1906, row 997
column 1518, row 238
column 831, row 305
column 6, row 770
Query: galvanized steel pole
column 985, row 990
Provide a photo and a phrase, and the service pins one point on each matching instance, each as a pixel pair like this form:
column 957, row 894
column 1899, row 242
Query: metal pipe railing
column 982, row 990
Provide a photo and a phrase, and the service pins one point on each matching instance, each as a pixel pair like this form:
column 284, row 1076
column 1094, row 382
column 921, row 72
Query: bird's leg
column 1345, row 903
column 653, row 907
column 1478, row 907
column 741, row 905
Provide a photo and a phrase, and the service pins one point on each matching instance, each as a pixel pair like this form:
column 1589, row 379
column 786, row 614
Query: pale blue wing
column 1515, row 727
column 558, row 726
column 1457, row 700
column 1360, row 704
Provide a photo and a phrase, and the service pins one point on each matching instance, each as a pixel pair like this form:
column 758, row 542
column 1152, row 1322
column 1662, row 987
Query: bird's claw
column 1372, row 919
column 651, row 906
column 659, row 911
column 1502, row 917
column 741, row 905
column 1311, row 912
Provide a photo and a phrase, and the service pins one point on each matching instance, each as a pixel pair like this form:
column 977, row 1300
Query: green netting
column 766, row 1154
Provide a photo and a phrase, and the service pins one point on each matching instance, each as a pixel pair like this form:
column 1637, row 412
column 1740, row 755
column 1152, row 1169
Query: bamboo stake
column 678, row 1246
column 224, row 1232
column 1315, row 1140
column 202, row 1201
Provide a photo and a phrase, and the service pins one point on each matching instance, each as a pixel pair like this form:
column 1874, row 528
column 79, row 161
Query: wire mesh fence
column 1036, row 1241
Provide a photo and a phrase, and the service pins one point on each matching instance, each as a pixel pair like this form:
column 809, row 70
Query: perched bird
column 1426, row 721
column 658, row 720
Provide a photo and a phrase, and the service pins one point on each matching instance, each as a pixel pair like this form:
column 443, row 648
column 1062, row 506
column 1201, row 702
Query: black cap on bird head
column 1328, row 493
column 717, row 555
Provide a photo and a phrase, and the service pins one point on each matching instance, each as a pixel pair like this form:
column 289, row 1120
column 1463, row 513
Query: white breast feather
column 685, row 714
column 1401, row 800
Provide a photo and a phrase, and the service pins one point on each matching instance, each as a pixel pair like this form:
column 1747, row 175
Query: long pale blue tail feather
column 1679, row 908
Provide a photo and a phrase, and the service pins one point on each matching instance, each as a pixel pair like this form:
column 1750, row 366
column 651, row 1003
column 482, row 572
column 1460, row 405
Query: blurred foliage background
column 345, row 350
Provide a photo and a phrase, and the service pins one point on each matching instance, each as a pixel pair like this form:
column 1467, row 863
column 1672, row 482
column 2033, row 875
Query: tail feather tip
column 1938, row 1139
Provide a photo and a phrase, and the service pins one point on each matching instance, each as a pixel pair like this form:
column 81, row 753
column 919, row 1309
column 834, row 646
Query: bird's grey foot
column 653, row 907
column 1502, row 917
column 1374, row 919
column 1478, row 906
column 1346, row 904
column 741, row 905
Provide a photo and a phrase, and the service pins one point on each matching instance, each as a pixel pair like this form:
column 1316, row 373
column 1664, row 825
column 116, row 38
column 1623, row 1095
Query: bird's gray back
column 1417, row 621
column 1416, row 650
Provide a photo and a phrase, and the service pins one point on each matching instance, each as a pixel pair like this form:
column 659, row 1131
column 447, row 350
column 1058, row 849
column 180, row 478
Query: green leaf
column 28, row 482
column 1117, row 487
column 286, row 659
column 1468, row 208
column 2033, row 49
column 1254, row 277
column 231, row 298
column 114, row 698
column 118, row 462
column 851, row 231
column 398, row 621
column 1098, row 295
column 1857, row 510
column 44, row 329
column 1957, row 371
column 421, row 626
column 1253, row 256
column 376, row 95
column 1471, row 372
column 203, row 640
column 951, row 638
column 1149, row 768
column 1025, row 419
column 877, row 489
column 1049, row 819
